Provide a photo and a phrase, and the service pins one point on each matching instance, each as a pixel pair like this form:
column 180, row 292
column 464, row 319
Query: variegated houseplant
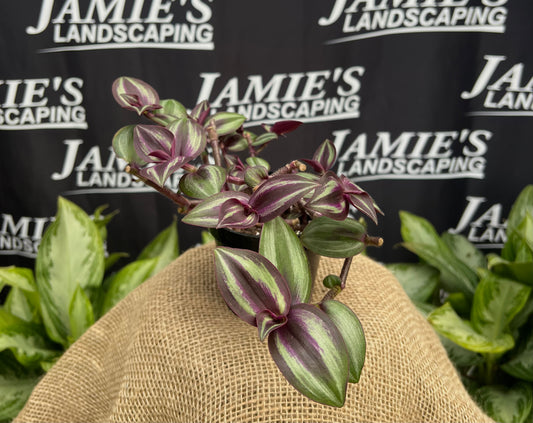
column 319, row 347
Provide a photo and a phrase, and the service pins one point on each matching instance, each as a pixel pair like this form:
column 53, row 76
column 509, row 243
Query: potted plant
column 288, row 212
column 480, row 305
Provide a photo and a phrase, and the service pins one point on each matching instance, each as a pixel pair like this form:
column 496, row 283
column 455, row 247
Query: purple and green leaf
column 310, row 352
column 207, row 213
column 250, row 284
column 208, row 180
column 134, row 94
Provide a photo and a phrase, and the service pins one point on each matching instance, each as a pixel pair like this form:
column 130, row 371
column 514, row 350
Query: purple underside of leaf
column 190, row 137
column 235, row 214
column 364, row 204
column 150, row 138
column 311, row 354
column 250, row 284
column 160, row 172
column 329, row 201
column 317, row 167
column 277, row 194
column 159, row 155
column 266, row 322
column 284, row 127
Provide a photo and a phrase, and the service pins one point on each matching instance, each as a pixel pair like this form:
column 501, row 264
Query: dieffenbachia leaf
column 164, row 247
column 206, row 181
column 16, row 385
column 352, row 333
column 207, row 213
column 226, row 122
column 311, row 354
column 521, row 271
column 126, row 280
column 506, row 404
column 250, row 284
column 280, row 244
column 522, row 207
column 465, row 251
column 496, row 302
column 448, row 323
column 418, row 280
column 277, row 194
column 422, row 239
column 23, row 304
column 520, row 363
column 19, row 277
column 25, row 340
column 81, row 314
column 332, row 238
column 71, row 253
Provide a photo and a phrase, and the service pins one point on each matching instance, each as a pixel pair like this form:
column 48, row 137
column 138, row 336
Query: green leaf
column 81, row 314
column 16, row 385
column 18, row 277
column 264, row 139
column 71, row 253
column 172, row 108
column 520, row 364
column 206, row 181
column 333, row 238
column 226, row 122
column 123, row 145
column 446, row 322
column 164, row 247
column 419, row 280
column 25, row 340
column 258, row 161
column 522, row 207
column 24, row 304
column 506, row 405
column 459, row 356
column 421, row 238
column 519, row 271
column 112, row 258
column 126, row 280
column 460, row 303
column 101, row 220
column 280, row 244
column 352, row 333
column 495, row 303
column 465, row 251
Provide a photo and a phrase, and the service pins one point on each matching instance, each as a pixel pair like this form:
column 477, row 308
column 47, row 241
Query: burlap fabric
column 173, row 352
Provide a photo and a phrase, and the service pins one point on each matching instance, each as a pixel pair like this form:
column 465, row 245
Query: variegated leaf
column 206, row 181
column 277, row 194
column 134, row 94
column 190, row 138
column 352, row 333
column 311, row 354
column 328, row 200
column 250, row 284
column 280, row 244
column 235, row 214
column 152, row 143
column 226, row 122
column 207, row 213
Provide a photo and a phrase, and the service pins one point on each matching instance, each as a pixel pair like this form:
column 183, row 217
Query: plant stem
column 213, row 140
column 183, row 203
column 333, row 292
column 290, row 167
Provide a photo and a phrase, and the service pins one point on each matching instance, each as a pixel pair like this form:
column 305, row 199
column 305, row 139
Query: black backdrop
column 428, row 101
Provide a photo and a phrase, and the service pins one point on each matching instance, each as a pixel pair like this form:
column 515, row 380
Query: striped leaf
column 277, row 194
column 206, row 181
column 324, row 157
column 134, row 94
column 311, row 354
column 152, row 143
column 226, row 122
column 506, row 404
column 235, row 214
column 328, row 200
column 332, row 238
column 250, row 284
column 280, row 244
column 352, row 333
column 190, row 138
column 207, row 213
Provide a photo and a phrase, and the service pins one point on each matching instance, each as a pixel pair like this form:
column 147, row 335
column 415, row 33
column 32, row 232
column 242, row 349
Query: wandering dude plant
column 320, row 347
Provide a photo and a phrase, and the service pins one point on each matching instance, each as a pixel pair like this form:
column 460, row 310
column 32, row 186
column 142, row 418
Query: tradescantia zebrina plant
column 225, row 185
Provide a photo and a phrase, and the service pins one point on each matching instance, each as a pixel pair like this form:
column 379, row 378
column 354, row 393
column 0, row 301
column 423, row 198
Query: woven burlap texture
column 173, row 352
